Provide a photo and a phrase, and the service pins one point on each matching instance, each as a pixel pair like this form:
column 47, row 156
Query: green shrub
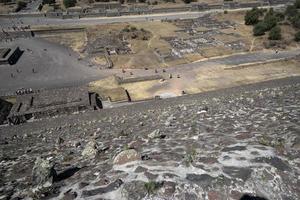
column 270, row 21
column 20, row 5
column 297, row 36
column 259, row 29
column 48, row 2
column 297, row 4
column 69, row 3
column 152, row 186
column 295, row 20
column 280, row 16
column 275, row 33
column 188, row 1
column 291, row 11
column 252, row 16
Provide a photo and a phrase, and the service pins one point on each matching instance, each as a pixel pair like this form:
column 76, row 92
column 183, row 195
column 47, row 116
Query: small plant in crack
column 190, row 156
column 152, row 186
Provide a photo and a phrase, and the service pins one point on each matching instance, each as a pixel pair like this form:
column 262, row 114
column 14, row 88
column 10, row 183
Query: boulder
column 91, row 149
column 126, row 156
column 43, row 172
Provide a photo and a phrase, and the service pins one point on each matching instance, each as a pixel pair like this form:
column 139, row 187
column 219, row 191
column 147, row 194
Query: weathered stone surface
column 203, row 180
column 235, row 172
column 91, row 149
column 43, row 172
column 134, row 190
column 156, row 134
column 222, row 147
column 126, row 156
column 274, row 161
column 111, row 187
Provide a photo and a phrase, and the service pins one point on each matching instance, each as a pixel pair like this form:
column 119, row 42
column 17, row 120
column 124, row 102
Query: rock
column 145, row 157
column 203, row 180
column 140, row 169
column 236, row 172
column 109, row 188
column 168, row 189
column 156, row 134
column 126, row 156
column 43, row 172
column 134, row 190
column 59, row 141
column 150, row 176
column 77, row 144
column 167, row 123
column 70, row 195
column 91, row 149
column 214, row 195
column 275, row 162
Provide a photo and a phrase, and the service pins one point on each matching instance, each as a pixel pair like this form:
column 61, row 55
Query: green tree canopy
column 297, row 36
column 291, row 11
column 296, row 20
column 275, row 33
column 252, row 16
column 297, row 4
column 259, row 29
column 69, row 3
column 270, row 21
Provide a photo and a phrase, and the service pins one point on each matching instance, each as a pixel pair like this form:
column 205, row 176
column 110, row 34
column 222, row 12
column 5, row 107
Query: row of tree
column 267, row 21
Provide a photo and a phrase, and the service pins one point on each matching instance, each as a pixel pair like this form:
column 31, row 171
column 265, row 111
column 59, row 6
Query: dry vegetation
column 74, row 40
column 199, row 80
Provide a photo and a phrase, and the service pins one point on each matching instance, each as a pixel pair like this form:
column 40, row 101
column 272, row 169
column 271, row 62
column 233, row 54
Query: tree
column 270, row 21
column 69, row 3
column 48, row 1
column 297, row 4
column 297, row 36
column 252, row 16
column 187, row 1
column 275, row 33
column 296, row 21
column 259, row 29
column 291, row 11
column 20, row 5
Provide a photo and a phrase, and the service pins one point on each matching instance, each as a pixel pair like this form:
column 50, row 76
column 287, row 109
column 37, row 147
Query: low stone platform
column 215, row 145
column 47, row 103
column 10, row 55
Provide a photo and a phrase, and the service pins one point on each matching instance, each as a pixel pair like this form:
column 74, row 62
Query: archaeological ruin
column 49, row 103
column 10, row 55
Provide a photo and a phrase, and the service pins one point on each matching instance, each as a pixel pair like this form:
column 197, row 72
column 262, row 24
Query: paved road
column 5, row 22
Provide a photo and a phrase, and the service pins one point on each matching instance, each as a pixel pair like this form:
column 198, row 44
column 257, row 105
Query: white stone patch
column 232, row 158
column 180, row 171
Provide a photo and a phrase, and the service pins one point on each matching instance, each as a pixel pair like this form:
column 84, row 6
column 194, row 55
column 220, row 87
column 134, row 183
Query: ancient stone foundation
column 10, row 55
column 53, row 102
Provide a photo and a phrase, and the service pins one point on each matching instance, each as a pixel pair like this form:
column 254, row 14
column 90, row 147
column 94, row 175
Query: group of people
column 24, row 91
